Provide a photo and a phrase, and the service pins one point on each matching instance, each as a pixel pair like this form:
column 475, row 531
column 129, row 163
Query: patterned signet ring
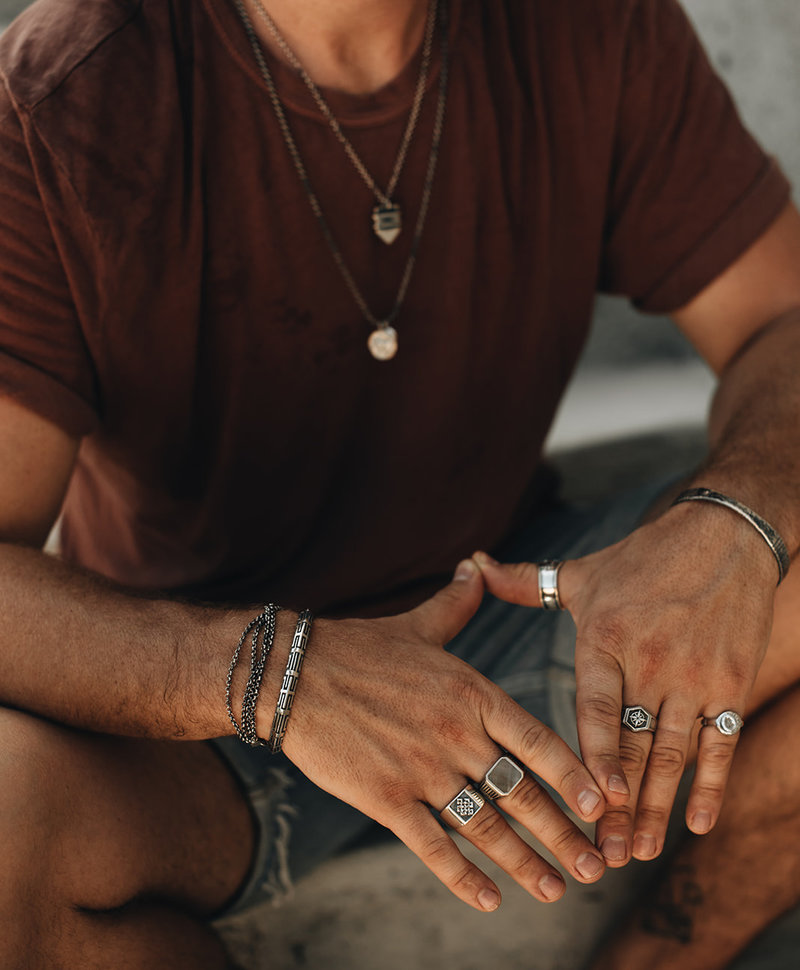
column 465, row 805
column 502, row 778
column 727, row 723
column 548, row 584
column 638, row 719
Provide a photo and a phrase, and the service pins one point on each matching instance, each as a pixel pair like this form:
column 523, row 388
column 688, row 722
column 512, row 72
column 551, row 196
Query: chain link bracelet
column 263, row 635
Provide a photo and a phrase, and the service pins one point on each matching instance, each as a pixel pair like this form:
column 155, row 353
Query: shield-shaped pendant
column 387, row 222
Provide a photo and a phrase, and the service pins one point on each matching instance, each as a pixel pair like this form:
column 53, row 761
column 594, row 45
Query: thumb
column 515, row 582
column 447, row 612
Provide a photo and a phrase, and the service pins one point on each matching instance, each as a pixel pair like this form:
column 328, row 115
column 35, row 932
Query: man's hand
column 676, row 619
column 392, row 724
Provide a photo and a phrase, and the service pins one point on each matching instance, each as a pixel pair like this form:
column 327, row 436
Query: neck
column 356, row 46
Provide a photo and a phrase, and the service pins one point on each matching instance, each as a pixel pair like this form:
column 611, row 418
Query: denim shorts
column 527, row 652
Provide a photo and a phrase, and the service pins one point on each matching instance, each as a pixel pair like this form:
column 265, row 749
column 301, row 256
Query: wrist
column 727, row 539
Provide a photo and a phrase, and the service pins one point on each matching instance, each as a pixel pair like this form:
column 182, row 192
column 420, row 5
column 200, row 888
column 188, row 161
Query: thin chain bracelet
column 290, row 679
column 263, row 631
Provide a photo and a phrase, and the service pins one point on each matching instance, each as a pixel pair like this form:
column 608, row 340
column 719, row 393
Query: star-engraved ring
column 548, row 584
column 502, row 778
column 727, row 723
column 465, row 805
column 638, row 719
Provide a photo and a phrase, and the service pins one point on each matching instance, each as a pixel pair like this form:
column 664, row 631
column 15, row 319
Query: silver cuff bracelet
column 764, row 529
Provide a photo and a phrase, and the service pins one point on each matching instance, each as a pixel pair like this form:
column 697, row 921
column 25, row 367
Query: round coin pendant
column 382, row 343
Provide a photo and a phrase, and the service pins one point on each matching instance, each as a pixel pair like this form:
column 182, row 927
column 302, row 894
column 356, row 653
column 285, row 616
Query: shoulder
column 56, row 41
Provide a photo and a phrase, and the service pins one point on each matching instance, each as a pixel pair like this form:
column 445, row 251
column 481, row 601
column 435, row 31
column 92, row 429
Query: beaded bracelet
column 768, row 534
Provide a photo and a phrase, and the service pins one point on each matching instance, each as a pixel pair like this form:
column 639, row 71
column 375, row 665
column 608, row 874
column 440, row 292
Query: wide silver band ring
column 638, row 719
column 727, row 723
column 464, row 806
column 502, row 778
column 548, row 584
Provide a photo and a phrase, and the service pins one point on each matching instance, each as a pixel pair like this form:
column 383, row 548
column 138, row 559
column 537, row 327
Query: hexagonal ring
column 638, row 719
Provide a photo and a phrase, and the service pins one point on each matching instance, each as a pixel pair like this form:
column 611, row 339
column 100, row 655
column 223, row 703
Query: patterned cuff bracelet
column 290, row 678
column 764, row 529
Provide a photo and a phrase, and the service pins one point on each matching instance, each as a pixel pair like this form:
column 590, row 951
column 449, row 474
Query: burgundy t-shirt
column 166, row 292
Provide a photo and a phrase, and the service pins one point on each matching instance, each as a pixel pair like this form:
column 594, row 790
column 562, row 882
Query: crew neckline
column 383, row 106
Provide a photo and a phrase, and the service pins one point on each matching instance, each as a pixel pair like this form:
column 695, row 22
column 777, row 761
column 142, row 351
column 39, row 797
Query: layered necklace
column 386, row 215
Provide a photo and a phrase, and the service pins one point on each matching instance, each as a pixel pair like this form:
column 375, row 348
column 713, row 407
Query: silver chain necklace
column 382, row 342
column 386, row 216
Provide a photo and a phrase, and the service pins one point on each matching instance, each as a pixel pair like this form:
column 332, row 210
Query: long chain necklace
column 382, row 342
column 386, row 216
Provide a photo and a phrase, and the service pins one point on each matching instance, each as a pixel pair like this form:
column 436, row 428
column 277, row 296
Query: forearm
column 755, row 428
column 86, row 653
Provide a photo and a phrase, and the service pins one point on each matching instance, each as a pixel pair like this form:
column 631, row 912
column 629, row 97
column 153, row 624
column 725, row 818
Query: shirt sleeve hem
column 44, row 395
column 729, row 238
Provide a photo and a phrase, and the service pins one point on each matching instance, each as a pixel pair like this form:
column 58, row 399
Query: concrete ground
column 378, row 907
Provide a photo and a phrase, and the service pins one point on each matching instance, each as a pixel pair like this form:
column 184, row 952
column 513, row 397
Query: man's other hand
column 676, row 619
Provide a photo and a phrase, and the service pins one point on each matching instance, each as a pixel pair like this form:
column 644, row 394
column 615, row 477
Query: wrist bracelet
column 768, row 534
column 290, row 678
column 263, row 630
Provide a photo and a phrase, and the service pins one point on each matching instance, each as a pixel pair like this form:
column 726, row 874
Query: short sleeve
column 44, row 360
column 690, row 190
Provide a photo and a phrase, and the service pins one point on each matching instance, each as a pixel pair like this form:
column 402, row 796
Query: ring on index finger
column 502, row 778
column 466, row 804
column 548, row 584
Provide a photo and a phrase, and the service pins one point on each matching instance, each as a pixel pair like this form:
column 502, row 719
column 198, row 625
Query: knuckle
column 716, row 756
column 536, row 743
column 709, row 791
column 599, row 709
column 565, row 841
column 530, row 798
column 651, row 817
column 450, row 731
column 666, row 759
column 393, row 795
column 609, row 631
column 465, row 881
column 437, row 851
column 632, row 755
column 487, row 828
column 617, row 818
column 527, row 869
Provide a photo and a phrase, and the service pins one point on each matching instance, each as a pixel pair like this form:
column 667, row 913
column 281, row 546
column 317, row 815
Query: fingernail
column 588, row 801
column 701, row 823
column 551, row 887
column 618, row 784
column 464, row 570
column 489, row 899
column 644, row 846
column 484, row 559
column 613, row 848
column 589, row 865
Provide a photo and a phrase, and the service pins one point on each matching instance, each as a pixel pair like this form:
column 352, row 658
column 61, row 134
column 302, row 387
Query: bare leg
column 722, row 889
column 115, row 850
